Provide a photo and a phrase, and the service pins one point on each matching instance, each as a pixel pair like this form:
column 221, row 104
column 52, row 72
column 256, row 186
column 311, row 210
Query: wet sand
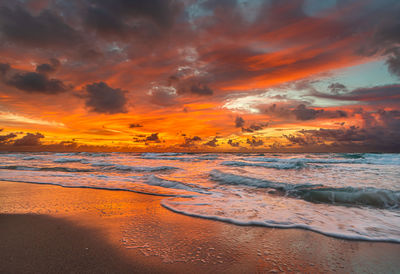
column 51, row 229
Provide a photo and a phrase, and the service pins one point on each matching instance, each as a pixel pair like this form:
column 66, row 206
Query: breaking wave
column 379, row 198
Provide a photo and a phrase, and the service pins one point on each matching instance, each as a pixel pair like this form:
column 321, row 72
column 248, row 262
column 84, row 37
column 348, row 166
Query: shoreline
column 139, row 234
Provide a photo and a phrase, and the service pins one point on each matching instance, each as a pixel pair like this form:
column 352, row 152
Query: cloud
column 393, row 61
column 34, row 82
column 337, row 88
column 163, row 95
column 303, row 113
column 153, row 138
column 4, row 68
column 368, row 95
column 46, row 29
column 29, row 139
column 385, row 40
column 380, row 132
column 50, row 67
column 5, row 139
column 255, row 127
column 103, row 99
column 239, row 121
column 190, row 141
column 212, row 143
column 233, row 143
column 186, row 84
column 133, row 125
column 121, row 17
column 254, row 142
column 200, row 89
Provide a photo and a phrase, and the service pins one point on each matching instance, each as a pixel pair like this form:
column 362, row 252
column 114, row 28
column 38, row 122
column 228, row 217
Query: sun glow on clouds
column 8, row 117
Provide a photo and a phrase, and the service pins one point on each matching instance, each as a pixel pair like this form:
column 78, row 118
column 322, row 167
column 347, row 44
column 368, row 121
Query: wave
column 352, row 155
column 29, row 158
column 379, row 198
column 373, row 197
column 62, row 169
column 149, row 154
column 283, row 165
column 66, row 154
column 71, row 160
column 110, row 166
column 157, row 181
column 232, row 179
column 344, row 158
column 306, row 160
column 184, row 157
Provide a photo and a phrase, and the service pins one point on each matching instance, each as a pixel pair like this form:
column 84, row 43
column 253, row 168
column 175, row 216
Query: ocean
column 343, row 195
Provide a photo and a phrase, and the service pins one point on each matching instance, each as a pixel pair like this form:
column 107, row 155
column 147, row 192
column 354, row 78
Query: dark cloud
column 36, row 83
column 124, row 17
column 153, row 138
column 46, row 29
column 133, row 125
column 239, row 121
column 393, row 61
column 192, row 84
column 380, row 133
column 5, row 139
column 385, row 40
column 32, row 82
column 190, row 141
column 337, row 88
column 50, row 67
column 233, row 143
column 254, row 142
column 255, row 127
column 4, row 68
column 103, row 99
column 212, row 143
column 369, row 95
column 29, row 139
column 201, row 89
column 303, row 113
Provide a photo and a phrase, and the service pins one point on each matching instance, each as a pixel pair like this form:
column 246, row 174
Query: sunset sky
column 206, row 75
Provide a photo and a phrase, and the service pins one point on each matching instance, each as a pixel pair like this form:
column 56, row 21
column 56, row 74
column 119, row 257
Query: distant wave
column 111, row 166
column 373, row 197
column 352, row 155
column 62, row 169
column 71, row 160
column 276, row 165
column 30, row 158
column 305, row 160
column 344, row 158
column 184, row 157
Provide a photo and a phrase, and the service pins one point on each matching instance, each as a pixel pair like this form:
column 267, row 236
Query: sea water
column 351, row 196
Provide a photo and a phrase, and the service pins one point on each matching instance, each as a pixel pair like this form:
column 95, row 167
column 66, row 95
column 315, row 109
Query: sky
column 206, row 75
